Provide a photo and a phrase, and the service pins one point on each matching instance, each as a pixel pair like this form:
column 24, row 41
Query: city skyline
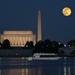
column 22, row 15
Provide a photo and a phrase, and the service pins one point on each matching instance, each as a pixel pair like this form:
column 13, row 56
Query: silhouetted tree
column 71, row 43
column 60, row 49
column 29, row 45
column 6, row 43
column 47, row 46
column 61, row 45
column 39, row 46
column 55, row 47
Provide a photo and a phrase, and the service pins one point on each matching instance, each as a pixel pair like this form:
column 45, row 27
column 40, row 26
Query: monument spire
column 39, row 30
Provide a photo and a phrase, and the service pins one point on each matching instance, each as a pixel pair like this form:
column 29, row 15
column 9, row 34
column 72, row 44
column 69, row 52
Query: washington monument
column 39, row 30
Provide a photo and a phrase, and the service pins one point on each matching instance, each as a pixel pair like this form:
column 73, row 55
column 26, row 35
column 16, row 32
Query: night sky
column 22, row 15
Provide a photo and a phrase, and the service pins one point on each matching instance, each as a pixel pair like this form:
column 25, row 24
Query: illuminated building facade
column 18, row 38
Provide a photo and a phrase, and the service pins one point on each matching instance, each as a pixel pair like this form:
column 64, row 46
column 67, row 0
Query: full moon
column 66, row 11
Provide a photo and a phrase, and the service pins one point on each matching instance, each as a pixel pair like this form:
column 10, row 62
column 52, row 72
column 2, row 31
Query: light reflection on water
column 26, row 71
column 24, row 67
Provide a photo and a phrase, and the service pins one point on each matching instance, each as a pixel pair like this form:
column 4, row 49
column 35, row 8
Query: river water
column 21, row 66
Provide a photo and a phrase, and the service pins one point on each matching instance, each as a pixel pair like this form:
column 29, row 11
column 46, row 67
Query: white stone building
column 18, row 38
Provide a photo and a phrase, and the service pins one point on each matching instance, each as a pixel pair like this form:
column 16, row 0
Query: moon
column 66, row 11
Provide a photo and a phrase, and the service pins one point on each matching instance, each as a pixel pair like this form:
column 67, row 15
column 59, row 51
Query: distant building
column 18, row 38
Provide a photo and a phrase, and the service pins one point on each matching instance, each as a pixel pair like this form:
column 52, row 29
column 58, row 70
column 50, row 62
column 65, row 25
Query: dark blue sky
column 22, row 15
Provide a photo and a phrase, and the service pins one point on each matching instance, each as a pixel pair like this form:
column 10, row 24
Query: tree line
column 45, row 46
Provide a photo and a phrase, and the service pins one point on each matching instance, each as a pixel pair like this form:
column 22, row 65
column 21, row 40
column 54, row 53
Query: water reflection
column 27, row 71
column 19, row 71
column 21, row 66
